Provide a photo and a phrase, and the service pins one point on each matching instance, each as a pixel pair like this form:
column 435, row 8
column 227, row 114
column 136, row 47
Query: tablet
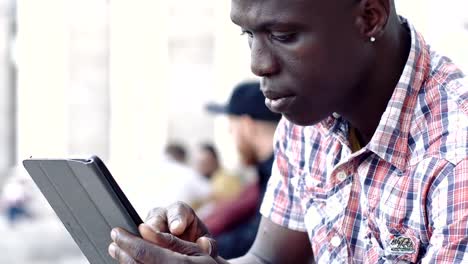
column 88, row 201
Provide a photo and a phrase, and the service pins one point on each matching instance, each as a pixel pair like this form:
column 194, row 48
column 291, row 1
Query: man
column 371, row 158
column 171, row 172
column 224, row 184
column 234, row 222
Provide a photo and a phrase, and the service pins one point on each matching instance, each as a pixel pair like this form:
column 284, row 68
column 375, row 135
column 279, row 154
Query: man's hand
column 180, row 220
column 163, row 248
column 170, row 235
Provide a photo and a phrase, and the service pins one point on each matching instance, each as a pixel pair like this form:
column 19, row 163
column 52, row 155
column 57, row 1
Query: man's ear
column 372, row 17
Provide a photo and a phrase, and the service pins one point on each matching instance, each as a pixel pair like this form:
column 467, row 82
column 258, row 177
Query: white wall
column 443, row 24
column 43, row 78
column 7, row 104
column 119, row 78
column 138, row 79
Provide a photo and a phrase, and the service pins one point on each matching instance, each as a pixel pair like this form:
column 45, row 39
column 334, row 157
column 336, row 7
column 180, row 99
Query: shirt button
column 341, row 175
column 335, row 241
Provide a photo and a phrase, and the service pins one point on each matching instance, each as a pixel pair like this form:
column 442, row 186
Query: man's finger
column 120, row 255
column 170, row 242
column 141, row 250
column 208, row 246
column 179, row 217
column 157, row 220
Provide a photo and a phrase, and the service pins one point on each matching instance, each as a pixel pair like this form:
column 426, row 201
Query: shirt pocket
column 325, row 202
column 396, row 224
column 398, row 203
column 398, row 240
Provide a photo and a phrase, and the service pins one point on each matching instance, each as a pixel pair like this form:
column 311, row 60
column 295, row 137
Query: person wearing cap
column 234, row 222
column 251, row 123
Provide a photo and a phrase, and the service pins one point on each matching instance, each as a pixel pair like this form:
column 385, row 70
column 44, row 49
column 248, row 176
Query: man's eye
column 285, row 38
column 248, row 33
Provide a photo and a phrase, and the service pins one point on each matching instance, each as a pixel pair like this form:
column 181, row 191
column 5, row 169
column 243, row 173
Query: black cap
column 246, row 99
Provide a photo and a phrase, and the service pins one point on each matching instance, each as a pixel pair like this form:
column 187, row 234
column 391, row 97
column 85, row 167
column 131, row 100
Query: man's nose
column 263, row 62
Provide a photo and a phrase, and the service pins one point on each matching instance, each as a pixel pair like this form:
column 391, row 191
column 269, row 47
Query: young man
column 371, row 158
column 234, row 222
column 224, row 184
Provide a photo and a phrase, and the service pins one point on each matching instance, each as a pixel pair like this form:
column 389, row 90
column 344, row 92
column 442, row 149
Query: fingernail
column 112, row 249
column 175, row 224
column 113, row 234
column 204, row 244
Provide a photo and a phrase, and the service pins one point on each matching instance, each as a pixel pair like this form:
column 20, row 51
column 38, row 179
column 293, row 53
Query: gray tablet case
column 87, row 200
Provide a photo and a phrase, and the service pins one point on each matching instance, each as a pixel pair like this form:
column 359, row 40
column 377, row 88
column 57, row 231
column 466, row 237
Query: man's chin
column 248, row 161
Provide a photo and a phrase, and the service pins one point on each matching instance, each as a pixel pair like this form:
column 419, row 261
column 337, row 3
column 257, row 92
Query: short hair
column 176, row 151
column 210, row 148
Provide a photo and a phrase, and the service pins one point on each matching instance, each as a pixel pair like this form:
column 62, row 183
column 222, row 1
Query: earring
column 372, row 39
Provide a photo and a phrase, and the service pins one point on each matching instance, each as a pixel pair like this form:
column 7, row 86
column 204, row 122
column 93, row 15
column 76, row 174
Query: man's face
column 206, row 163
column 240, row 132
column 309, row 53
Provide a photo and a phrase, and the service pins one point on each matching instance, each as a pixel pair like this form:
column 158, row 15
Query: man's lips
column 278, row 102
column 275, row 95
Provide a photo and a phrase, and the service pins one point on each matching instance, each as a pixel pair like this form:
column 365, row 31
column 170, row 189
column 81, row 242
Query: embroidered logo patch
column 401, row 245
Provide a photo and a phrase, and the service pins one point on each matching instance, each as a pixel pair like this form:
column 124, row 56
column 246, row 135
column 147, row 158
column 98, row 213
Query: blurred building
column 121, row 78
column 443, row 23
column 7, row 88
column 116, row 78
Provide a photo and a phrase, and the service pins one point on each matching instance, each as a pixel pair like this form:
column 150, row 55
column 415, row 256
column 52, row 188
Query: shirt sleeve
column 448, row 209
column 281, row 203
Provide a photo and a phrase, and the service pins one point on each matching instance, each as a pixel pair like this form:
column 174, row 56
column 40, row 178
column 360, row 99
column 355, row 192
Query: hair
column 210, row 148
column 176, row 151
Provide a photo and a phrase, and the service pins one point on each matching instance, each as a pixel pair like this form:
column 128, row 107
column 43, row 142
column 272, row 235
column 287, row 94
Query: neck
column 377, row 90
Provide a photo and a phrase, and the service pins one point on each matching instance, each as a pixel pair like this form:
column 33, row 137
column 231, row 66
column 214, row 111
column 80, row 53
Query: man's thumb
column 208, row 246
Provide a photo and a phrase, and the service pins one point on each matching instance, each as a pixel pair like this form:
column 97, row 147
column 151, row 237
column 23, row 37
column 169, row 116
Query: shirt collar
column 390, row 141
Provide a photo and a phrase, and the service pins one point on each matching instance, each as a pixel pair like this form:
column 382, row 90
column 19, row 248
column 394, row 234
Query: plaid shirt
column 404, row 196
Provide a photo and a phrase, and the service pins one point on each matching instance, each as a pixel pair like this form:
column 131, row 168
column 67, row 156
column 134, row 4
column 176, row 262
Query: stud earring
column 372, row 39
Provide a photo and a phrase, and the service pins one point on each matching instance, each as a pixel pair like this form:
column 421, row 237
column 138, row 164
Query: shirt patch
column 401, row 245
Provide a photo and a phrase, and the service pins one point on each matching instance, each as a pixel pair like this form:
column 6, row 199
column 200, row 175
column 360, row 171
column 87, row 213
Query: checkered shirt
column 403, row 197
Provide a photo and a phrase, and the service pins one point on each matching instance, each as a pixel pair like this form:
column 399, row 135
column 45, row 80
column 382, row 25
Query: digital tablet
column 88, row 201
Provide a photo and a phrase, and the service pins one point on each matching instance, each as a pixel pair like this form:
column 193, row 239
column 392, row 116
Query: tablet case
column 87, row 200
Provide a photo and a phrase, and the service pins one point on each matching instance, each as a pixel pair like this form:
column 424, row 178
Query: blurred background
column 122, row 79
